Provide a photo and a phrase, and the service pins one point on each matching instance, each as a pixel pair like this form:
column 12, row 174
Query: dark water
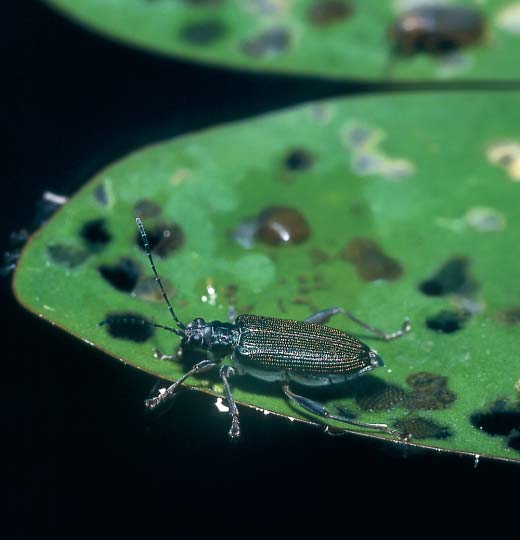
column 82, row 456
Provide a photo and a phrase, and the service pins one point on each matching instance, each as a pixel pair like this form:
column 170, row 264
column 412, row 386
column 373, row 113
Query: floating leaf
column 452, row 382
column 328, row 38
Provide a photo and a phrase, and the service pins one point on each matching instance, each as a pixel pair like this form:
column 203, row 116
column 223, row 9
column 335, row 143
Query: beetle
column 275, row 350
column 436, row 29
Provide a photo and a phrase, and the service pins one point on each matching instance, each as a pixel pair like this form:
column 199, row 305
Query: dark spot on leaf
column 100, row 195
column 269, row 43
column 298, row 160
column 422, row 428
column 370, row 261
column 436, row 29
column 429, row 392
column 203, row 33
column 382, row 399
column 510, row 315
column 327, row 12
column 500, row 419
column 281, row 225
column 68, row 256
column 146, row 209
column 95, row 234
column 128, row 325
column 148, row 289
column 452, row 277
column 123, row 275
column 447, row 321
column 164, row 239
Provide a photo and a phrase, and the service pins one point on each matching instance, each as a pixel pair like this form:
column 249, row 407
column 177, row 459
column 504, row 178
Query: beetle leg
column 225, row 373
column 316, row 408
column 325, row 315
column 205, row 365
column 160, row 356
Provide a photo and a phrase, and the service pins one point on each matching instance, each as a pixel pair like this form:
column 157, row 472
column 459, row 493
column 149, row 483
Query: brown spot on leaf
column 422, row 428
column 163, row 238
column 275, row 226
column 370, row 260
column 436, row 29
column 429, row 392
column 328, row 12
column 146, row 209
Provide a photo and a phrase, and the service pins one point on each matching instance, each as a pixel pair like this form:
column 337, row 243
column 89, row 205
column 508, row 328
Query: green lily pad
column 327, row 38
column 391, row 207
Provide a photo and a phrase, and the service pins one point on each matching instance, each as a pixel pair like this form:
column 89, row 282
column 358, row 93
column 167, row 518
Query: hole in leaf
column 164, row 239
column 370, row 260
column 95, row 234
column 447, row 321
column 128, row 325
column 452, row 277
column 123, row 275
column 298, row 160
column 501, row 419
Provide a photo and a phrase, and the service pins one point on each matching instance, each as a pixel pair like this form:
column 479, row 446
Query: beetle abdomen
column 275, row 344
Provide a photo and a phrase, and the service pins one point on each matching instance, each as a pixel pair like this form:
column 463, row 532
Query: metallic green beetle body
column 308, row 353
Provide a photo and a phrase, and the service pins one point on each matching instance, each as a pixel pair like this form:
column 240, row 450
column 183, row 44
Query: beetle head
column 375, row 359
column 197, row 334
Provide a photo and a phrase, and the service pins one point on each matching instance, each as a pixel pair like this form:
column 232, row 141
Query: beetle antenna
column 157, row 278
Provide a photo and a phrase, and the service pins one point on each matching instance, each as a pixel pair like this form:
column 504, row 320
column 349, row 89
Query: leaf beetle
column 275, row 350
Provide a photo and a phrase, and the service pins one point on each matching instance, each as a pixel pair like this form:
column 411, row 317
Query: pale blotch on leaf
column 258, row 269
column 508, row 19
column 506, row 154
column 267, row 8
column 484, row 219
column 478, row 218
column 179, row 176
column 270, row 43
column 368, row 159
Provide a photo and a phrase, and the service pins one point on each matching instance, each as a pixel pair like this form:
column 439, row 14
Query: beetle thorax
column 218, row 337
